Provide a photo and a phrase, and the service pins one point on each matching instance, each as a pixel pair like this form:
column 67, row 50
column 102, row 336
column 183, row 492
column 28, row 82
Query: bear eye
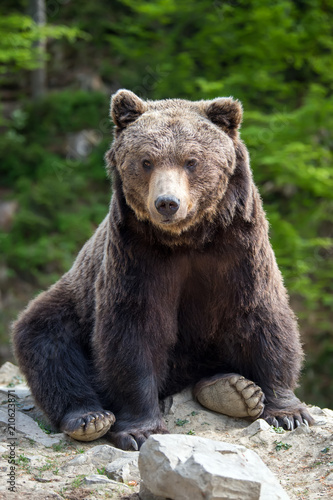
column 147, row 165
column 191, row 164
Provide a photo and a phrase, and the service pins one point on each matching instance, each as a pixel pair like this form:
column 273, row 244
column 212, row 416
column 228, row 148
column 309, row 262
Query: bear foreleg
column 49, row 348
column 129, row 376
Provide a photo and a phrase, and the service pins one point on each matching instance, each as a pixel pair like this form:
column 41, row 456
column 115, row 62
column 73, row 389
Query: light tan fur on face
column 170, row 181
column 167, row 134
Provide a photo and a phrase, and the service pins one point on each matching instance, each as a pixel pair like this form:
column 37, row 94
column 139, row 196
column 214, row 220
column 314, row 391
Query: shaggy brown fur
column 178, row 283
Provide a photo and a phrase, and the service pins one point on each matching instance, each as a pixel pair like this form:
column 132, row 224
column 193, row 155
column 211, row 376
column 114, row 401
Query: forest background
column 55, row 84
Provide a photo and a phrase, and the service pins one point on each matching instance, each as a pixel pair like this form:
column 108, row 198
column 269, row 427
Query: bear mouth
column 171, row 221
column 174, row 224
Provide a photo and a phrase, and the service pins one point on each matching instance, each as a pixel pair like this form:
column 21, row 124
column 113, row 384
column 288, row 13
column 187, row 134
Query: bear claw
column 231, row 395
column 88, row 426
column 290, row 422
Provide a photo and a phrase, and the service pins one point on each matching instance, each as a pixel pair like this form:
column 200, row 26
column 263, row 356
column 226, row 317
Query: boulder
column 181, row 467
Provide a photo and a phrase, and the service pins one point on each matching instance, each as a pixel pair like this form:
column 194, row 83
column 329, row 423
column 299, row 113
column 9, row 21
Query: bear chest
column 204, row 296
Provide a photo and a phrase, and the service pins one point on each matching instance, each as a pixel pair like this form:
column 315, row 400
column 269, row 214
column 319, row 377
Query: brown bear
column 178, row 287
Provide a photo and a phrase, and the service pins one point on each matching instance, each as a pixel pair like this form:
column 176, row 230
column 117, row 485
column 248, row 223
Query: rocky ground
column 51, row 466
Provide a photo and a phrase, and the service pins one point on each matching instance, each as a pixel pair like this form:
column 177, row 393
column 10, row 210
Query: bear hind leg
column 230, row 394
column 233, row 395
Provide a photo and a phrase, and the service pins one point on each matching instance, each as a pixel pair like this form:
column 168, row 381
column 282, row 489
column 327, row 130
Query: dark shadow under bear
column 178, row 286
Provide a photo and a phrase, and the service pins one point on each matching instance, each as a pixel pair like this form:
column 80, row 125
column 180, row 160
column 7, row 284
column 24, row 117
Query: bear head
column 174, row 157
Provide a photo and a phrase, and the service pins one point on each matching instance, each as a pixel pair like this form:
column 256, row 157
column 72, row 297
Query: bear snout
column 167, row 205
column 169, row 197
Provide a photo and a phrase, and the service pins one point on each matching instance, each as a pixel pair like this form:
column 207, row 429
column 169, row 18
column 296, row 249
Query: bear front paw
column 131, row 436
column 87, row 426
column 230, row 394
column 288, row 419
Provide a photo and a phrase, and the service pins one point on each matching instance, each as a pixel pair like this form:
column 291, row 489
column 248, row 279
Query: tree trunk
column 38, row 76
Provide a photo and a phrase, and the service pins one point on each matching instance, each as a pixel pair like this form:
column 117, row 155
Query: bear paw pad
column 231, row 395
column 88, row 426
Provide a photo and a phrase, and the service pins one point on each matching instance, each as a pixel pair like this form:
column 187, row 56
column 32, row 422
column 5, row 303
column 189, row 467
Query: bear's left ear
column 227, row 113
column 126, row 107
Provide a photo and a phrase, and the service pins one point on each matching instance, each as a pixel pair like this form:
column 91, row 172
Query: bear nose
column 167, row 205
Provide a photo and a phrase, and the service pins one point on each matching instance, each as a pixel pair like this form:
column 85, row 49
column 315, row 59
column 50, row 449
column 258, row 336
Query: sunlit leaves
column 18, row 34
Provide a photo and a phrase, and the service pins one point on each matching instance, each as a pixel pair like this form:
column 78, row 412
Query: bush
column 62, row 197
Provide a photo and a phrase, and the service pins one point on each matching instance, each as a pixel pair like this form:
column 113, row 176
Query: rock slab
column 26, row 426
column 179, row 467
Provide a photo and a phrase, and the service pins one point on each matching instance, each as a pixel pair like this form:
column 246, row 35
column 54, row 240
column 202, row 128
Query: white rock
column 27, row 427
column 256, row 426
column 124, row 469
column 180, row 467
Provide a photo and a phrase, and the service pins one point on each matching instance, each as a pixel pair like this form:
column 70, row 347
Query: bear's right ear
column 126, row 107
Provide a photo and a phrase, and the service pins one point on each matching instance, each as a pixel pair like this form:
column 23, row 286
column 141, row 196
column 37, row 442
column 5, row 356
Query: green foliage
column 60, row 447
column 292, row 162
column 78, row 481
column 264, row 52
column 22, row 460
column 66, row 112
column 45, row 427
column 18, row 35
column 62, row 196
column 281, row 446
column 101, row 471
column 180, row 423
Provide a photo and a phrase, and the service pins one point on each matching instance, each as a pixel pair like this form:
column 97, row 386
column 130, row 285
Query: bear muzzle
column 168, row 197
column 167, row 205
